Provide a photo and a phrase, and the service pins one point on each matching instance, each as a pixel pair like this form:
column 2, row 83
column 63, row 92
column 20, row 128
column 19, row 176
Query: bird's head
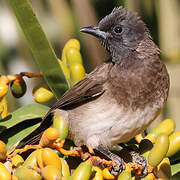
column 120, row 32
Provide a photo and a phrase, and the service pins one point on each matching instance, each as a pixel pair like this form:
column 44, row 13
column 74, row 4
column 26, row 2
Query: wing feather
column 90, row 87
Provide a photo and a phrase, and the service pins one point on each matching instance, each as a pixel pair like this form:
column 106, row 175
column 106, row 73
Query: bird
column 122, row 96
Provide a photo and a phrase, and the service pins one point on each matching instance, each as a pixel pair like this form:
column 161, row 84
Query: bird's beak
column 95, row 31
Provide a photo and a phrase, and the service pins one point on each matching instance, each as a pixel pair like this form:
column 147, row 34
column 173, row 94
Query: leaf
column 30, row 111
column 175, row 168
column 40, row 47
column 16, row 133
column 21, row 122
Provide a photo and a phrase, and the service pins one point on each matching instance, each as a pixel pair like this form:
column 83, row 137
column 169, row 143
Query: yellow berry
column 14, row 177
column 3, row 107
column 3, row 89
column 31, row 160
column 3, row 151
column 65, row 69
column 73, row 56
column 51, row 173
column 39, row 159
column 99, row 174
column 167, row 127
column 4, row 173
column 24, row 173
column 82, row 172
column 124, row 175
column 49, row 157
column 42, row 95
column 60, row 124
column 174, row 145
column 72, row 43
column 4, row 79
column 107, row 174
column 65, row 168
column 77, row 73
column 17, row 161
column 158, row 152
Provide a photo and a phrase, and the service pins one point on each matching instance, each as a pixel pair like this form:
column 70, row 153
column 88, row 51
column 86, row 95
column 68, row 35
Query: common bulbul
column 121, row 97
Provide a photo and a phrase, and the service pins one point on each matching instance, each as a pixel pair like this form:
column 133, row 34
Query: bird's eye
column 118, row 29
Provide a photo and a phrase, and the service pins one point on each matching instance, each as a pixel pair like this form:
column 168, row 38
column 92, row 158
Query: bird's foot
column 118, row 164
column 141, row 161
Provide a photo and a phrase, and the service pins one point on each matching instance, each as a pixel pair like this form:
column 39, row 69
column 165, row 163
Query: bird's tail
column 35, row 136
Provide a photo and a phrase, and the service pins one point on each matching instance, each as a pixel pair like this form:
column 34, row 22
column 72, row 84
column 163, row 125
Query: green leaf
column 30, row 111
column 21, row 123
column 16, row 133
column 40, row 47
column 175, row 168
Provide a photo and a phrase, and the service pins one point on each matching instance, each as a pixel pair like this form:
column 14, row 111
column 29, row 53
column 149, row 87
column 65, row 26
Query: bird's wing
column 82, row 91
column 90, row 87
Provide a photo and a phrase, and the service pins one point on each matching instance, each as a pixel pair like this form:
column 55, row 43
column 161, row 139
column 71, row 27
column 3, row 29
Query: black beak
column 94, row 31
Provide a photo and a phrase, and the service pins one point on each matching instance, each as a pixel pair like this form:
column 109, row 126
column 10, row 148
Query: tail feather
column 35, row 136
column 32, row 139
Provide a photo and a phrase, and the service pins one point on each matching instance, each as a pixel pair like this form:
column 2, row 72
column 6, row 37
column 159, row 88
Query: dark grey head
column 120, row 32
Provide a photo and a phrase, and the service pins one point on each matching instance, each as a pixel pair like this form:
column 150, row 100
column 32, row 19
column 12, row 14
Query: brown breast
column 136, row 82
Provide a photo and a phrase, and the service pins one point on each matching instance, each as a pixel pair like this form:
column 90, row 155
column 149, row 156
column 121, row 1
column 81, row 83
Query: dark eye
column 117, row 29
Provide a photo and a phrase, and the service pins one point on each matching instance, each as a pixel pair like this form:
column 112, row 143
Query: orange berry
column 3, row 89
column 49, row 136
column 3, row 150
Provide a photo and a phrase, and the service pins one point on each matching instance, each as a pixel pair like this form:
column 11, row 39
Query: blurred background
column 61, row 21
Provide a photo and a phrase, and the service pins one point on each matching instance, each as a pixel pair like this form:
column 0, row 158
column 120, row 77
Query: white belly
column 106, row 122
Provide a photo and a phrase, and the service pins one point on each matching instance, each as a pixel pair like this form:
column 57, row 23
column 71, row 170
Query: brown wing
column 90, row 87
column 82, row 91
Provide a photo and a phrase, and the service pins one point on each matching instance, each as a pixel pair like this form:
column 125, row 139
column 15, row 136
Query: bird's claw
column 137, row 158
column 119, row 167
column 144, row 171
